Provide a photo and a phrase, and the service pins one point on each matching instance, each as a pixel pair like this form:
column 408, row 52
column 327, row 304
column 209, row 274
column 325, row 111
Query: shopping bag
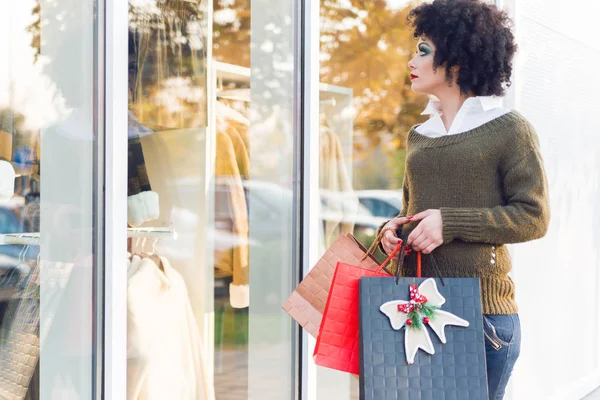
column 421, row 338
column 337, row 342
column 307, row 301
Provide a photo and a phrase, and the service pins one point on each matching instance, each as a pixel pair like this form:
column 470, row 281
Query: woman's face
column 424, row 79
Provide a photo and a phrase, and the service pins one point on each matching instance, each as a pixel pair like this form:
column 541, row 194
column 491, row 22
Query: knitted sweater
column 490, row 186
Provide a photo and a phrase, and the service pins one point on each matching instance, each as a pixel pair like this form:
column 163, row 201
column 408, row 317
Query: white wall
column 556, row 86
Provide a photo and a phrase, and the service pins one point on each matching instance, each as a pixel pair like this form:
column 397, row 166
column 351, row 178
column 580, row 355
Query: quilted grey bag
column 421, row 338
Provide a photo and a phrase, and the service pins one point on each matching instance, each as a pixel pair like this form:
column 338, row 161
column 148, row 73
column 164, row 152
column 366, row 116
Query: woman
column 474, row 177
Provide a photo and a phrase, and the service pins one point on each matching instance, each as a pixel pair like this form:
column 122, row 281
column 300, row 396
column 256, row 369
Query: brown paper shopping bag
column 307, row 303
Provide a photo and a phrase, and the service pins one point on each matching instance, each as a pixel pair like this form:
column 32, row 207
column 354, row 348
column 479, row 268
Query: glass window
column 366, row 110
column 210, row 199
column 47, row 199
column 386, row 208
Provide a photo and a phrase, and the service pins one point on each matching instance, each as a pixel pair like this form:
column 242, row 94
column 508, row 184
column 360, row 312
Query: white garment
column 474, row 112
column 7, row 180
column 133, row 265
column 164, row 349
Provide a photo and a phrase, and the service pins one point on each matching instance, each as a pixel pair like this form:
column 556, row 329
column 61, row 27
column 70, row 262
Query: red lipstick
column 413, row 76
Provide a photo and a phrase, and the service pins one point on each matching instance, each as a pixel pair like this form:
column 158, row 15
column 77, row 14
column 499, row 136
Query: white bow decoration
column 423, row 308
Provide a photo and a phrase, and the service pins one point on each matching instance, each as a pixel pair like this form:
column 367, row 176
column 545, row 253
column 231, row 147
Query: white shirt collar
column 484, row 103
column 474, row 112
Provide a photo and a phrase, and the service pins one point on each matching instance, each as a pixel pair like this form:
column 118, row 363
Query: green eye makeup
column 424, row 49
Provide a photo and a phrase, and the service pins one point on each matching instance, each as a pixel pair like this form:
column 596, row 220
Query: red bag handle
column 419, row 268
column 392, row 254
column 400, row 248
column 433, row 264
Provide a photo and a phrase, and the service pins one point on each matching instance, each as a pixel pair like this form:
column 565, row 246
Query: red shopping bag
column 337, row 341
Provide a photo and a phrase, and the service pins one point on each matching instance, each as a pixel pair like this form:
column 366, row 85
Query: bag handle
column 371, row 250
column 433, row 263
column 398, row 250
column 430, row 259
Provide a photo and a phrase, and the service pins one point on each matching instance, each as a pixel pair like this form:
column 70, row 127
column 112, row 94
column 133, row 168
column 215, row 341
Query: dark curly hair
column 471, row 35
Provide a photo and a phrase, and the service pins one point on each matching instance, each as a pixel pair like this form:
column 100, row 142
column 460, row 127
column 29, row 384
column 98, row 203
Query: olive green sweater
column 490, row 186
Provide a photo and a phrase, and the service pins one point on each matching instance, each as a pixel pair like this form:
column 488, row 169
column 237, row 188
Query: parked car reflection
column 269, row 205
column 345, row 209
column 12, row 269
column 381, row 203
column 268, row 214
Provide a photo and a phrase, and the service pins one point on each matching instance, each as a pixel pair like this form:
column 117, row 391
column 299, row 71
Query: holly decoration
column 417, row 309
column 423, row 308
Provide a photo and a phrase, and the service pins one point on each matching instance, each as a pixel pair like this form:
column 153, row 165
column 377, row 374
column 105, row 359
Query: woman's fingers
column 430, row 248
column 421, row 242
column 397, row 222
column 417, row 232
column 389, row 241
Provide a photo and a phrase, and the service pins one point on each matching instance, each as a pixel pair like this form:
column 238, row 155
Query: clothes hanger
column 225, row 111
column 133, row 251
column 152, row 255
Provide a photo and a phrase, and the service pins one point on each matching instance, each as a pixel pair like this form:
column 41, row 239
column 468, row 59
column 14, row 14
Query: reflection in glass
column 209, row 203
column 168, row 353
column 364, row 52
column 167, row 64
column 231, row 257
column 46, row 218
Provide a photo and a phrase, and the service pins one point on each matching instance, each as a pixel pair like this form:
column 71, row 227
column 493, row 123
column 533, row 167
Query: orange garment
column 242, row 130
column 231, row 220
column 241, row 151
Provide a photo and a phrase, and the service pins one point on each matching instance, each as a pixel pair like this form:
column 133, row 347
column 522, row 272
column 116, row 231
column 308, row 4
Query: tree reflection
column 167, row 63
column 29, row 99
column 366, row 45
column 231, row 31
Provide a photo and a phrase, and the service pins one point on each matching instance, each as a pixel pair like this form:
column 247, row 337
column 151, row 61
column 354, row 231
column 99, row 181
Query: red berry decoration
column 426, row 320
column 409, row 321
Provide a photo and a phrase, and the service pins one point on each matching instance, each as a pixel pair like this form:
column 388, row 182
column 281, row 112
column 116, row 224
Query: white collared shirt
column 474, row 112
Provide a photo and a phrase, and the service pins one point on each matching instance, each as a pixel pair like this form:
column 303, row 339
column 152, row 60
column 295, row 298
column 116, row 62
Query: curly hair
column 471, row 35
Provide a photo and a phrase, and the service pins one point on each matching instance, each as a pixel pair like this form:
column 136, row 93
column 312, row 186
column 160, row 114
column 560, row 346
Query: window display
column 211, row 200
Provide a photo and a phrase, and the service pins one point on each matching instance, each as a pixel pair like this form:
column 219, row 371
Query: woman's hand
column 389, row 241
column 428, row 235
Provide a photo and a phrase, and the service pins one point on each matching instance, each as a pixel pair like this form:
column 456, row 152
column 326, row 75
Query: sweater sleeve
column 524, row 217
column 403, row 212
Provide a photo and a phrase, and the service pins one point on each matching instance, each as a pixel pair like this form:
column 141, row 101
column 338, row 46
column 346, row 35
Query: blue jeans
column 502, row 348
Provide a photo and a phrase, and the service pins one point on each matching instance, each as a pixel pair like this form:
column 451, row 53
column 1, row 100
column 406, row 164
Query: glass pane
column 367, row 108
column 210, row 200
column 48, row 188
column 167, row 65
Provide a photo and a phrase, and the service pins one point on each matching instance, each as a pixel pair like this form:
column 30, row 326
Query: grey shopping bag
column 455, row 370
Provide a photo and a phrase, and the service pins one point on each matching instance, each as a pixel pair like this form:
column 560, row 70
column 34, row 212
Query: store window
column 366, row 110
column 48, row 199
column 210, row 199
